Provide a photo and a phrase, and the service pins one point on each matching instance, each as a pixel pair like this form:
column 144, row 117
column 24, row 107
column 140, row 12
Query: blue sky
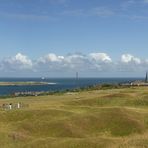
column 31, row 30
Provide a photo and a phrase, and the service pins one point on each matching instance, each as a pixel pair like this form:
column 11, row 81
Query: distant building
column 138, row 82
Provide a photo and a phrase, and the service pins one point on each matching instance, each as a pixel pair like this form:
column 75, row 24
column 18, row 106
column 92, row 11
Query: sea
column 57, row 84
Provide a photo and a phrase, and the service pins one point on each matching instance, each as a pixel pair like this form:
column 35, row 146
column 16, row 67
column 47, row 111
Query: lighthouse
column 146, row 78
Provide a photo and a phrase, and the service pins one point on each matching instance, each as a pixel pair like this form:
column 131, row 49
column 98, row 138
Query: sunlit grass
column 88, row 119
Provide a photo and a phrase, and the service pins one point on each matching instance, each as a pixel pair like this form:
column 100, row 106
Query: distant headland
column 22, row 83
column 138, row 82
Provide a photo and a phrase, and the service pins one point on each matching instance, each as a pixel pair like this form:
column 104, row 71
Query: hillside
column 113, row 118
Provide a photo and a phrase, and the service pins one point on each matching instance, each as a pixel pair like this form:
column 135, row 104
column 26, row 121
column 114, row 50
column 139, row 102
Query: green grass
column 112, row 118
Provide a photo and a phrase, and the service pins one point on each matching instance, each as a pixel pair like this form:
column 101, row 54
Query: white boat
column 51, row 83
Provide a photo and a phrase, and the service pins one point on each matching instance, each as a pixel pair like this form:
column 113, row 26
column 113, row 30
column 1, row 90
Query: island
column 23, row 83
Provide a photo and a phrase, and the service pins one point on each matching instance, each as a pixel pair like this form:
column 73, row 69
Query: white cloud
column 49, row 62
column 18, row 62
column 100, row 57
column 77, row 61
column 68, row 62
column 81, row 62
column 51, row 57
column 128, row 58
column 22, row 59
column 58, row 64
column 75, row 58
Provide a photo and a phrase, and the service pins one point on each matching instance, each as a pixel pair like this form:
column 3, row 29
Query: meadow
column 110, row 118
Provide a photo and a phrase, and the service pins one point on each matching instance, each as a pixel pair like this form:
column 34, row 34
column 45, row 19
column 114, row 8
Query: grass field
column 113, row 118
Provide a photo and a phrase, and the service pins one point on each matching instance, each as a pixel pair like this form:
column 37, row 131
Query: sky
column 57, row 38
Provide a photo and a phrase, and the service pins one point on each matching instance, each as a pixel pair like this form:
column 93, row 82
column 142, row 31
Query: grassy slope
column 94, row 119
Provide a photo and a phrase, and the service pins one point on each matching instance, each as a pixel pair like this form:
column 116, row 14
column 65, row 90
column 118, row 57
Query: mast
column 77, row 75
column 77, row 78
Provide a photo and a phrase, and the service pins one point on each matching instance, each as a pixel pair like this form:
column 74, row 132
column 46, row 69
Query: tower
column 146, row 78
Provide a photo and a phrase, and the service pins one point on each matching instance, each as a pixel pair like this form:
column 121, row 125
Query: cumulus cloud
column 22, row 59
column 51, row 57
column 130, row 63
column 78, row 61
column 18, row 62
column 75, row 59
column 62, row 63
column 101, row 57
column 92, row 62
column 128, row 58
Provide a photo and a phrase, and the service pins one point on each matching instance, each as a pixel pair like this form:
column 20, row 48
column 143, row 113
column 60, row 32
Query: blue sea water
column 57, row 84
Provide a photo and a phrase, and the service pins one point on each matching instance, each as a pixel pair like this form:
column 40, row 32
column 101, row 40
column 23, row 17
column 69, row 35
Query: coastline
column 104, row 86
column 33, row 86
